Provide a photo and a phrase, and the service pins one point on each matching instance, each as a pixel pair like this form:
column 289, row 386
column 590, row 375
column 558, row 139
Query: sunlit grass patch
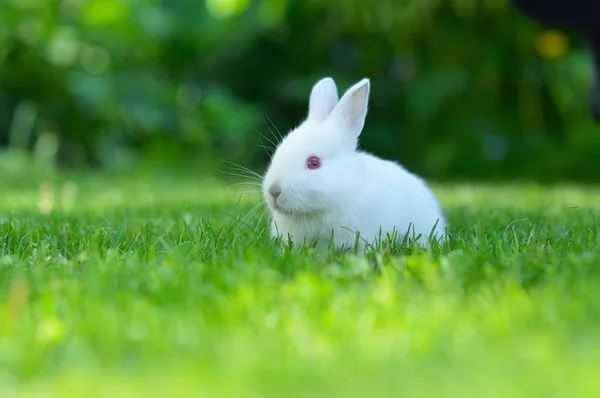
column 162, row 286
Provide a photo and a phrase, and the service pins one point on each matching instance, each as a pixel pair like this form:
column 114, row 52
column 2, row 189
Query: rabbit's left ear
column 351, row 112
column 323, row 98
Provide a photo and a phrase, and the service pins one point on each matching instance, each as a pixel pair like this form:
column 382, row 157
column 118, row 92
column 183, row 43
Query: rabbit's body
column 344, row 191
column 374, row 212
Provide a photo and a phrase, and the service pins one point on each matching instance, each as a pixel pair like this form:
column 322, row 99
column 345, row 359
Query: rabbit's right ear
column 323, row 98
column 351, row 112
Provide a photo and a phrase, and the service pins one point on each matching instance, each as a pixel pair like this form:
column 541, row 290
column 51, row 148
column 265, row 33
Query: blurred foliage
column 460, row 88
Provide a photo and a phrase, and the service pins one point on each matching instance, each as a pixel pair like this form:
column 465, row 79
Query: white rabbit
column 320, row 188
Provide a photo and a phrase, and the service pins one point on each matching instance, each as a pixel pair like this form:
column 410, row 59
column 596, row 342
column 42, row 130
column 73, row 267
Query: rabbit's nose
column 275, row 191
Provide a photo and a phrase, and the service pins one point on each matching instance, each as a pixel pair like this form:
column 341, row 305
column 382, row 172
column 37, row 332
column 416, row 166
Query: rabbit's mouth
column 276, row 205
column 291, row 212
column 283, row 206
column 280, row 209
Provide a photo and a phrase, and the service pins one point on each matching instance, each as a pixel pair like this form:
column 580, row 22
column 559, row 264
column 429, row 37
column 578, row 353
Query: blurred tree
column 461, row 88
column 582, row 14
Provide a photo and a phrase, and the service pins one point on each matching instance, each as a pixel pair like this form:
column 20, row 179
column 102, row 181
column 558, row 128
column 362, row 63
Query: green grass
column 155, row 287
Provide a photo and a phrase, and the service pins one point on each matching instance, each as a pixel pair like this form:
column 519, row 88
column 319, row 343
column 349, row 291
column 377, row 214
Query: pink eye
column 313, row 162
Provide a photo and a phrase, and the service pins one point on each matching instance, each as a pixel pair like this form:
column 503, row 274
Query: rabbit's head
column 314, row 167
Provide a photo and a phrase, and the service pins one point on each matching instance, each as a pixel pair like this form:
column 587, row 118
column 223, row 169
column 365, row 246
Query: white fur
column 352, row 191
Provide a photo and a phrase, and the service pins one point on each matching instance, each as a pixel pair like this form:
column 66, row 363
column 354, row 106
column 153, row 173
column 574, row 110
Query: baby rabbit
column 320, row 188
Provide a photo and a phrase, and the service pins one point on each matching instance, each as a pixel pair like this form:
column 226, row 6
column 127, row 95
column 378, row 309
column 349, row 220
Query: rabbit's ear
column 323, row 98
column 351, row 111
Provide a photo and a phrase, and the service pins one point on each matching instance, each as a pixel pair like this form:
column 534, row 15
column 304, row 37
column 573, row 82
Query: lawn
column 144, row 287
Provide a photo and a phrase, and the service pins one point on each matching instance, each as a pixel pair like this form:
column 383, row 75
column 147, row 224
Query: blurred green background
column 461, row 89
